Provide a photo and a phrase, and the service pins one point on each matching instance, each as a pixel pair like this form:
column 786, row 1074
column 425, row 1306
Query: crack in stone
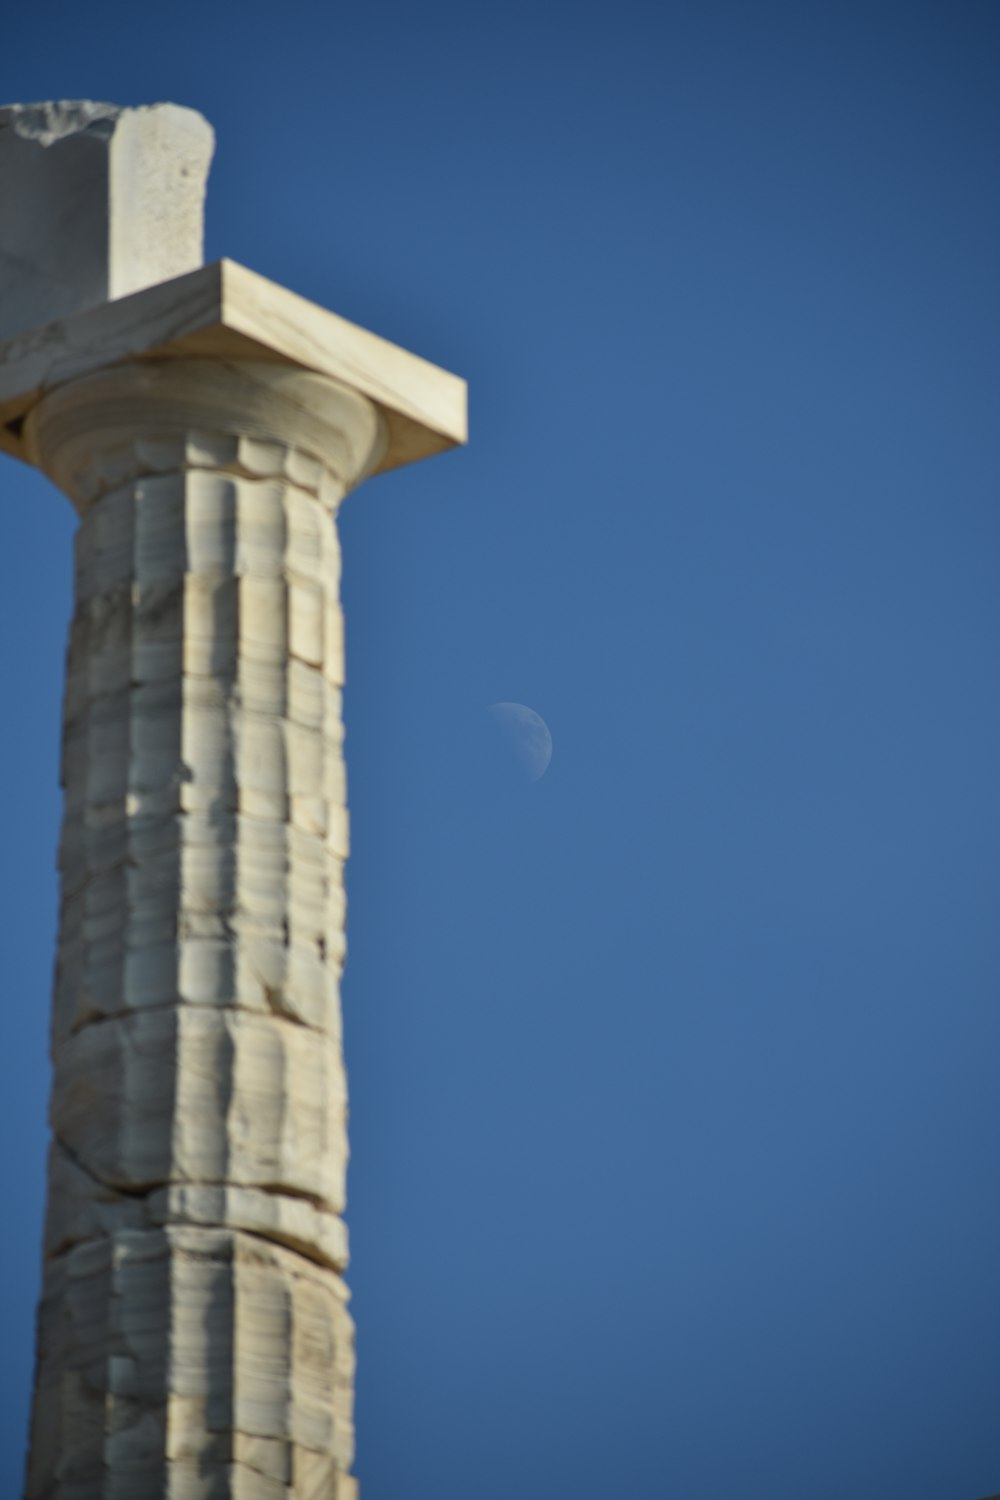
column 289, row 1242
column 144, row 1190
column 180, row 1005
column 231, row 470
column 118, row 1190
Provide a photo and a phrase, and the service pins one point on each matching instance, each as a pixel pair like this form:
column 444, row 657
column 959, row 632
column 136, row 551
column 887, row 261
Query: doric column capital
column 254, row 419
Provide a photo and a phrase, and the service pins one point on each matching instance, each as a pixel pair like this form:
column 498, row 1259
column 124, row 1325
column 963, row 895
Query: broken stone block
column 96, row 202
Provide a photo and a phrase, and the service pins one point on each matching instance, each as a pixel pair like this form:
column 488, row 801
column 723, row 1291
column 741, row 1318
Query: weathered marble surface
column 193, row 1337
column 189, row 1363
column 96, row 202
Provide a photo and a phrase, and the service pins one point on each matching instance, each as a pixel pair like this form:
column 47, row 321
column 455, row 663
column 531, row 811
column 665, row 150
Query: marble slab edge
column 225, row 311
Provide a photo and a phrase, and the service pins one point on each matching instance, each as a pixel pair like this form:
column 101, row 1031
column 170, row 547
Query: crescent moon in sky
column 527, row 734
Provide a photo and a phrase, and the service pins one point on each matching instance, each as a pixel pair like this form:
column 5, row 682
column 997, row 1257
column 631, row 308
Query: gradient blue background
column 675, row 1114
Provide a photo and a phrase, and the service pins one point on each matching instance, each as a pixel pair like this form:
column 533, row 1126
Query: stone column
column 194, row 1336
column 194, row 1341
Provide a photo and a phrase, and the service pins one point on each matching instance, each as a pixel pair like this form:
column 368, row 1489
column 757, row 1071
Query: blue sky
column 674, row 1105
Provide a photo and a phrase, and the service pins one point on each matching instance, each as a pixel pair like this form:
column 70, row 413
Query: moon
column 527, row 734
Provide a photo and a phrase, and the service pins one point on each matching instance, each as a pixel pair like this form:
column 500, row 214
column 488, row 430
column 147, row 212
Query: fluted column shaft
column 193, row 1333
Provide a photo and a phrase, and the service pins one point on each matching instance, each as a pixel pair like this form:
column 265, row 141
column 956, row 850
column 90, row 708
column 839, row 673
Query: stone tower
column 193, row 1339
